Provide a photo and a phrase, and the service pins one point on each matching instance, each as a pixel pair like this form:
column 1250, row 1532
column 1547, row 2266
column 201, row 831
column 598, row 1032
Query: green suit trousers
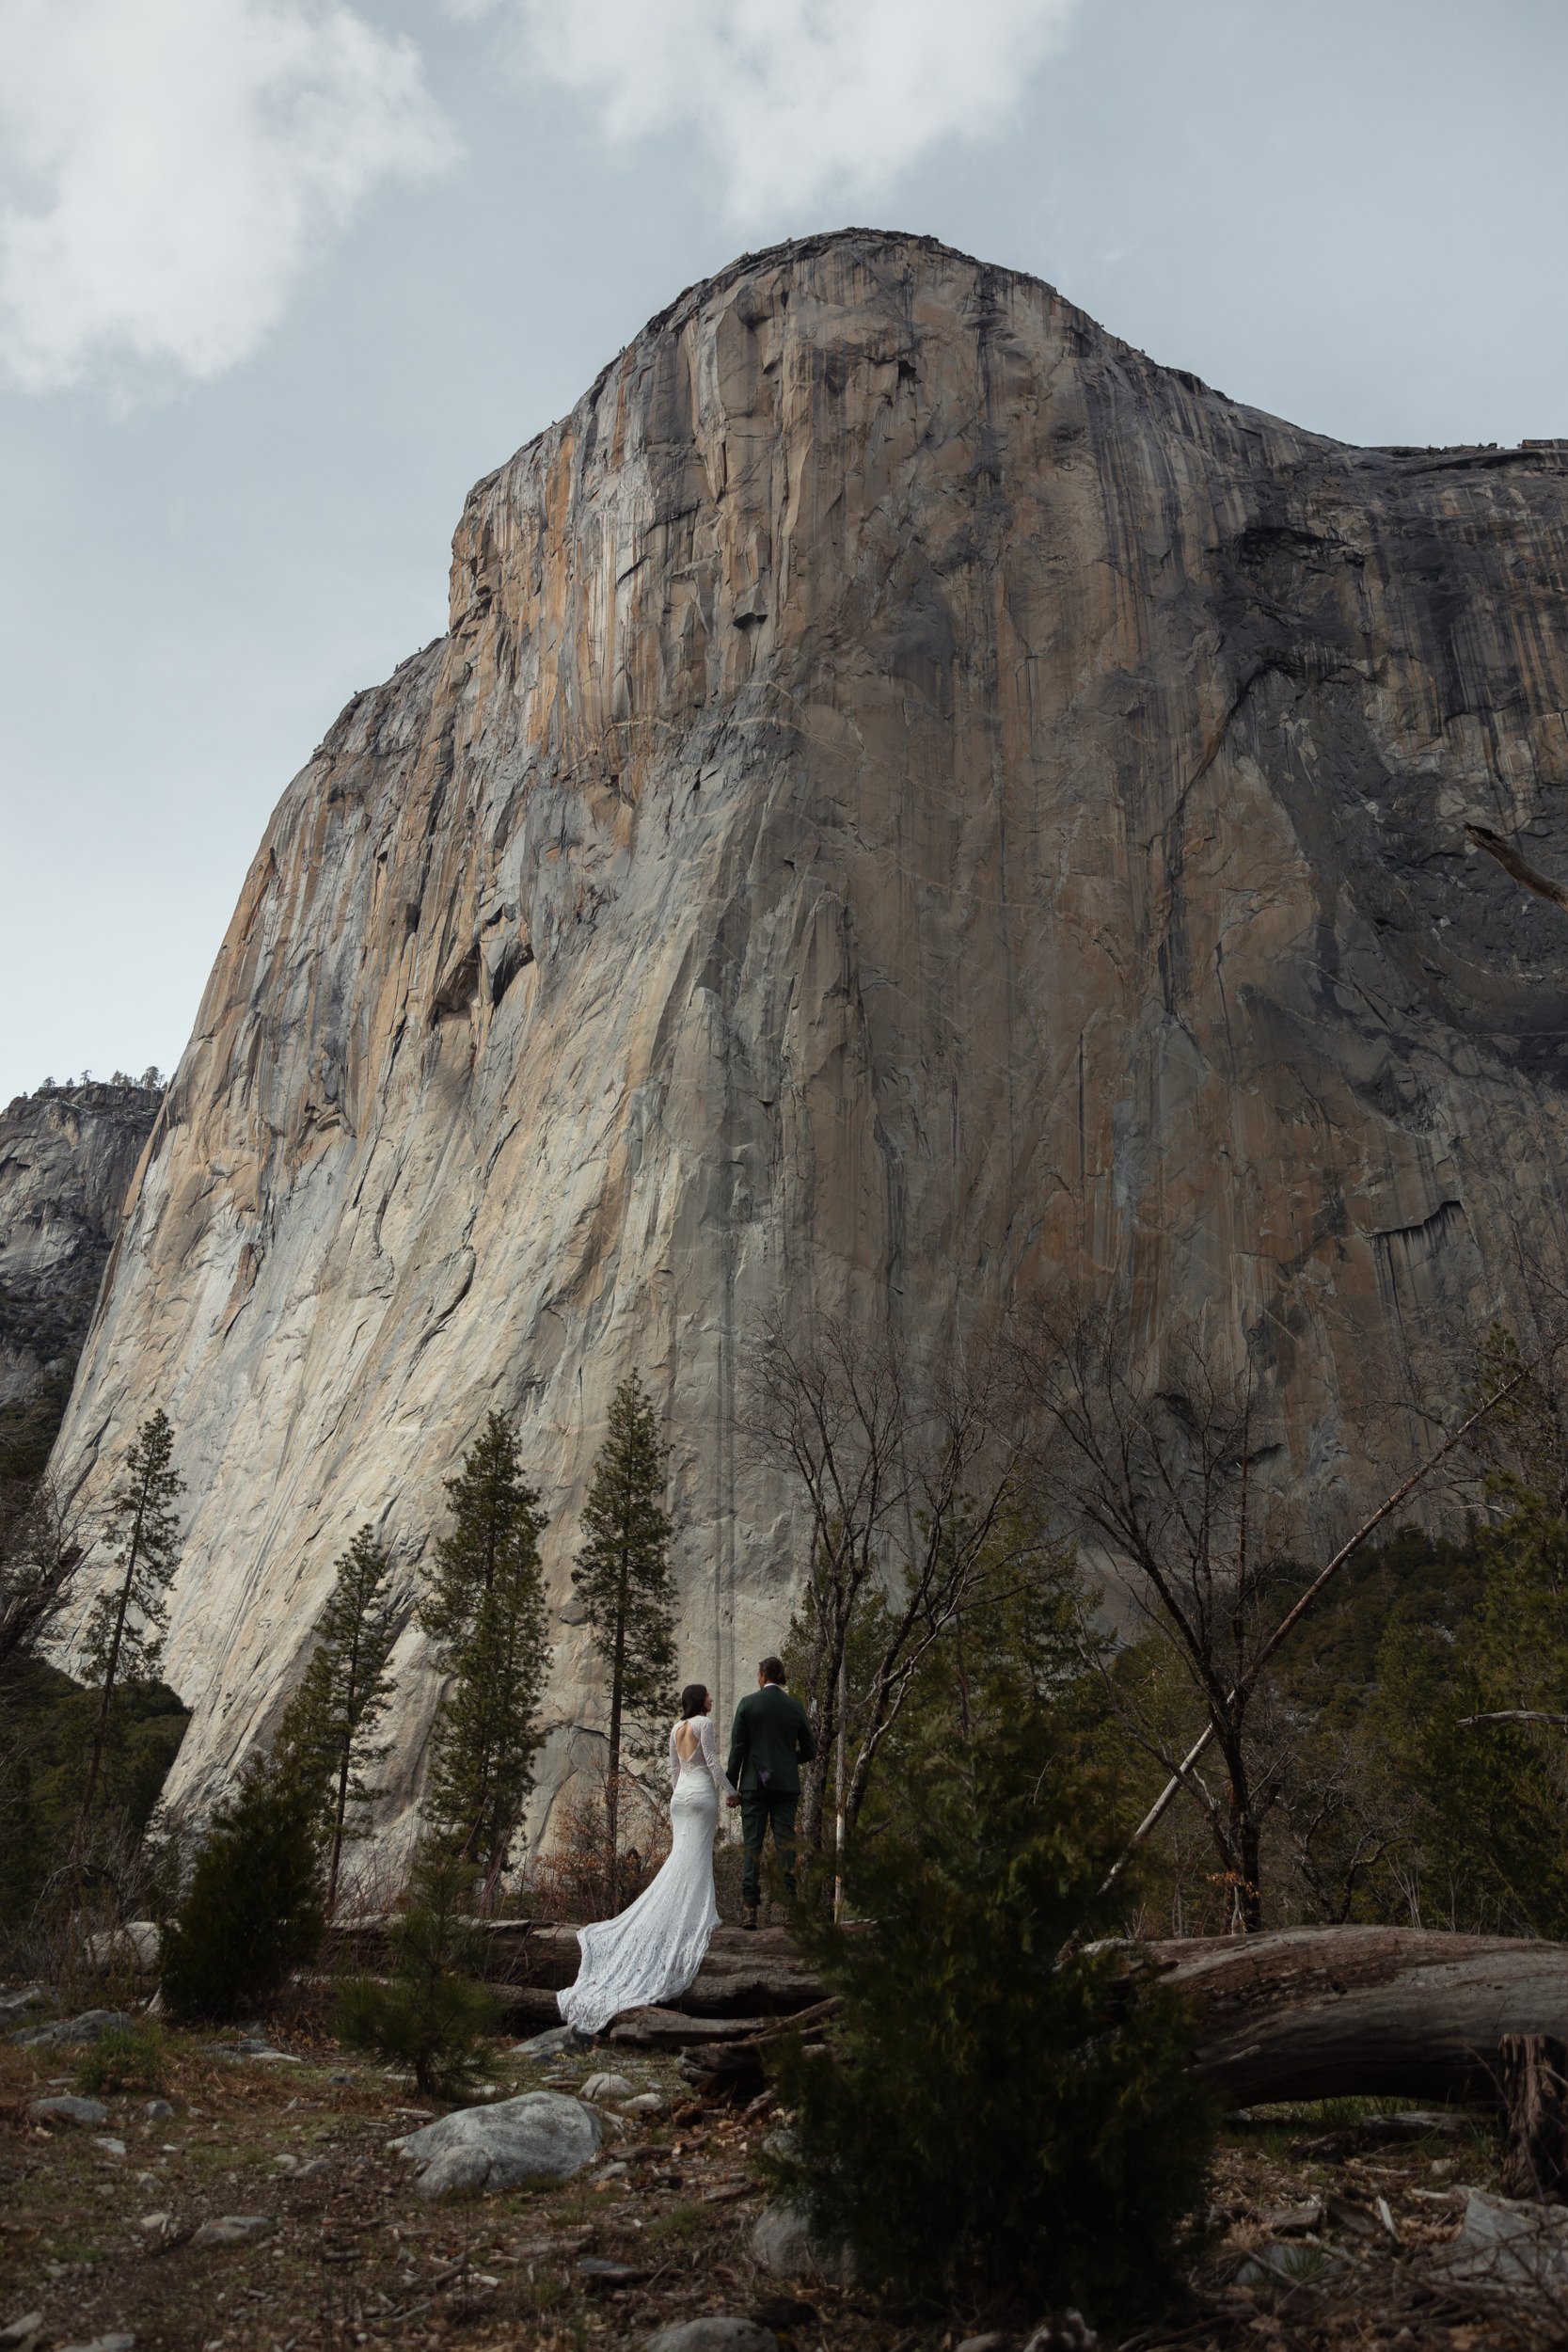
column 760, row 1807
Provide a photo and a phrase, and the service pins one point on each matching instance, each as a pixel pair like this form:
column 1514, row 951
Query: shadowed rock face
column 66, row 1156
column 914, row 795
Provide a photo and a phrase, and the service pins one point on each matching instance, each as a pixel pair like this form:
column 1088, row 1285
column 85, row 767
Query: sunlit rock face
column 66, row 1157
column 914, row 795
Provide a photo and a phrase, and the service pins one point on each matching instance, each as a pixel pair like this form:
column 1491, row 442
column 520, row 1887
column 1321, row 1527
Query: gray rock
column 544, row 2045
column 1509, row 2242
column 994, row 2341
column 135, row 1944
column 1294, row 2220
column 645, row 2103
column 538, row 2137
column 782, row 2243
column 606, row 2087
column 65, row 2109
column 110, row 2145
column 157, row 2109
column 122, row 2342
column 715, row 2335
column 1064, row 2332
column 91, row 2025
column 14, row 2007
column 233, row 2228
column 23, row 2333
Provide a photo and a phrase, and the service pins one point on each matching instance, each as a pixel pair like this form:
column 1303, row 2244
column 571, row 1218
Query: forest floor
column 98, row 2225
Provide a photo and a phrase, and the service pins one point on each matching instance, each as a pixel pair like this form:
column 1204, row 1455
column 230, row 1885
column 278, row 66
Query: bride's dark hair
column 694, row 1700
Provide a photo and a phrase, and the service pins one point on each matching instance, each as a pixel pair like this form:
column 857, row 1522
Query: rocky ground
column 262, row 2203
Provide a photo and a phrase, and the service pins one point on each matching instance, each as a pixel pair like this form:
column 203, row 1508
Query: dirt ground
column 100, row 2241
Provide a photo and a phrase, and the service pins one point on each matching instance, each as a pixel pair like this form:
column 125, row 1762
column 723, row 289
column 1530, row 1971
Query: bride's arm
column 675, row 1760
column 710, row 1757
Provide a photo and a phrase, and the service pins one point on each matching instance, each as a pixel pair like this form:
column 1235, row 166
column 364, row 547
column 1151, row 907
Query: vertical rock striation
column 66, row 1157
column 913, row 794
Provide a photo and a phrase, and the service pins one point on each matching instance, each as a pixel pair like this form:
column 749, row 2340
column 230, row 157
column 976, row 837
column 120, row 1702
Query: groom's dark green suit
column 771, row 1741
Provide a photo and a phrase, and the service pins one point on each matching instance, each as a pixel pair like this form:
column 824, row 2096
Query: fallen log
column 667, row 2029
column 1324, row 2012
column 757, row 1974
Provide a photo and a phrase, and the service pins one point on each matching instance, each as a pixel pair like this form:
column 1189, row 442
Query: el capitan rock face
column 913, row 794
column 66, row 1156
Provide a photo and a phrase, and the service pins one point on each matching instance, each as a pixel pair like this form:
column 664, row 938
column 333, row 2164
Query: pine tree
column 125, row 1628
column 253, row 1912
column 326, row 1732
column 488, row 1615
column 431, row 2016
column 623, row 1577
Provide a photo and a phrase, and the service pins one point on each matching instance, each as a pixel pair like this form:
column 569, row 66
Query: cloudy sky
column 279, row 278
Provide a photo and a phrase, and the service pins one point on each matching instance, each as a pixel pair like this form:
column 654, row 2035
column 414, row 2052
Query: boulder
column 1509, row 2242
column 539, row 2137
column 718, row 2334
column 782, row 2242
column 65, row 2109
column 607, row 2087
column 135, row 1945
column 91, row 2025
column 14, row 2007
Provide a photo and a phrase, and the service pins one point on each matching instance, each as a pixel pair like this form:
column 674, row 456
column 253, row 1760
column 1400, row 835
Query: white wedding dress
column 651, row 1951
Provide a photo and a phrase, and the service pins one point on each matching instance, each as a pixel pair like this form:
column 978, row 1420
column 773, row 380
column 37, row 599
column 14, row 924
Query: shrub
column 996, row 2115
column 127, row 2058
column 431, row 2016
column 254, row 1911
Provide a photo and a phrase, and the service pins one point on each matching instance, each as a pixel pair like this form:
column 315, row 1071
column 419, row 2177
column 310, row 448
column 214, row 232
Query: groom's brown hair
column 772, row 1670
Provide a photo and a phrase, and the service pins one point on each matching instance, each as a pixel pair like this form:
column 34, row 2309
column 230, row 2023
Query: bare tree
column 909, row 1477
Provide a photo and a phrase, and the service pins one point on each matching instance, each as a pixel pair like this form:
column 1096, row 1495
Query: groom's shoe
column 748, row 1918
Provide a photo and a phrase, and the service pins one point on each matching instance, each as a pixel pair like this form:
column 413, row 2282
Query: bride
column 652, row 1950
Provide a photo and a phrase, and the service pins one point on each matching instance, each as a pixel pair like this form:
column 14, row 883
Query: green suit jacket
column 771, row 1741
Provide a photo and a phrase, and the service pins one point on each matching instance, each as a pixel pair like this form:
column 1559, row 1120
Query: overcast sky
column 279, row 278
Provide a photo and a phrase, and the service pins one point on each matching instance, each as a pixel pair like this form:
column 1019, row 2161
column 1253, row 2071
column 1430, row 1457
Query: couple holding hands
column 651, row 1951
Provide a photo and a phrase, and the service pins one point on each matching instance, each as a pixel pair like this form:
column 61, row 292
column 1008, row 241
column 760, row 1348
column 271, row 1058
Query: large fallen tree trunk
column 1307, row 2013
column 1320, row 2013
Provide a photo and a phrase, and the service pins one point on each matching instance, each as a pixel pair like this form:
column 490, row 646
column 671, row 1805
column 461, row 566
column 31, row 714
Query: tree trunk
column 338, row 1815
column 1534, row 2072
column 101, row 1727
column 1396, row 2012
column 612, row 1787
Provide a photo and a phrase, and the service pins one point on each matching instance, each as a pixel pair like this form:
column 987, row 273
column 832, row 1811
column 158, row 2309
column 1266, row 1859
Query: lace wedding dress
column 651, row 1951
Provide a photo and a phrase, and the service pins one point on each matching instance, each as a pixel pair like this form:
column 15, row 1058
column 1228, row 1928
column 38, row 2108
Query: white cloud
column 796, row 99
column 169, row 167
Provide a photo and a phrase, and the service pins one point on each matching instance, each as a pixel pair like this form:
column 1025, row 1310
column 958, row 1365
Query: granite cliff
column 912, row 793
column 66, row 1157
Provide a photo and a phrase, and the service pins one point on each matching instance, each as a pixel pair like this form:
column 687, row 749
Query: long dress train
column 651, row 1951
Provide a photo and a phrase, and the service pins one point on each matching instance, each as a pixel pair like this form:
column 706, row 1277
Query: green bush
column 996, row 2121
column 128, row 2058
column 254, row 1910
column 431, row 2016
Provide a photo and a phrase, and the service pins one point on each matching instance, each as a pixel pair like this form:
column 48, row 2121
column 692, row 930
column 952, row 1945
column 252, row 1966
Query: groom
column 771, row 1741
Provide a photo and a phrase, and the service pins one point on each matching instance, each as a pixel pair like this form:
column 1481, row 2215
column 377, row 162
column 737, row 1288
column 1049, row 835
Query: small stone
column 157, row 2110
column 606, row 2087
column 233, row 2228
column 122, row 2342
column 23, row 2333
column 595, row 2270
column 14, row 2007
column 782, row 2243
column 645, row 2103
column 153, row 2224
column 718, row 2334
column 996, row 2341
column 65, row 2109
column 1064, row 2332
column 110, row 2145
column 311, row 2169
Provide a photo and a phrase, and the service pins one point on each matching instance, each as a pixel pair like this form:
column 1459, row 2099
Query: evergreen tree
column 253, row 1912
column 432, row 2015
column 327, row 1729
column 125, row 1628
column 486, row 1614
column 623, row 1577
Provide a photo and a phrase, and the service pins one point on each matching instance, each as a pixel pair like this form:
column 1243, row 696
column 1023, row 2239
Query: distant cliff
column 913, row 794
column 66, row 1157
